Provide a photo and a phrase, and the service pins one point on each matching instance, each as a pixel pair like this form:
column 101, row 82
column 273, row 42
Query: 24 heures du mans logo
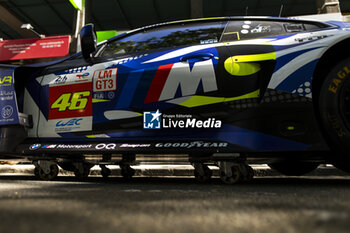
column 157, row 120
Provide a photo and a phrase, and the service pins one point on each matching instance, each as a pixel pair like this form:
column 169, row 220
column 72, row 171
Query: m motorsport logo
column 157, row 120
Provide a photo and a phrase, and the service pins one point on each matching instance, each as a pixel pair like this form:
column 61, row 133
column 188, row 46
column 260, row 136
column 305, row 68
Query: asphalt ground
column 313, row 203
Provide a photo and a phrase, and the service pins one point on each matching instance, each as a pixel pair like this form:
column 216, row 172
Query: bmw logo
column 34, row 146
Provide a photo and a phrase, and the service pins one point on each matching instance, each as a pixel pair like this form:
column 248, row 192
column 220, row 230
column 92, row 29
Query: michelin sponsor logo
column 157, row 120
column 196, row 144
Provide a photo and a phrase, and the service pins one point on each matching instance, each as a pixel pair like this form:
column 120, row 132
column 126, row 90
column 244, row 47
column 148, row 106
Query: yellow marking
column 62, row 102
column 244, row 65
column 77, row 102
column 90, row 136
column 193, row 20
column 99, row 100
column 254, row 57
column 237, row 33
column 196, row 101
column 290, row 128
column 241, row 69
column 7, row 79
column 254, row 94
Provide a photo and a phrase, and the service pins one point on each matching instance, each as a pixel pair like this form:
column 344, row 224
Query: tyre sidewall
column 333, row 122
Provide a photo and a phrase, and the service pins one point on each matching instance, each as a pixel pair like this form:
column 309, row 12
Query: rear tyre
column 84, row 172
column 36, row 172
column 334, row 108
column 106, row 172
column 293, row 168
column 202, row 178
column 81, row 175
column 126, row 171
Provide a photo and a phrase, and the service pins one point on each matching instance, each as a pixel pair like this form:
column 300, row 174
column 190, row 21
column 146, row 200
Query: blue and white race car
column 226, row 91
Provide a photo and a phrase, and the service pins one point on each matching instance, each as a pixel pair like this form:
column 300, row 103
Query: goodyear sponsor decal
column 336, row 81
column 195, row 144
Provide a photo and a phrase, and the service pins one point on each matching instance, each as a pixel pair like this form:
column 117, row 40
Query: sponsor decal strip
column 123, row 146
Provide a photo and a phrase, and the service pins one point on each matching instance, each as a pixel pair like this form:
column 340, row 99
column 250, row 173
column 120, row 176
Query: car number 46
column 72, row 101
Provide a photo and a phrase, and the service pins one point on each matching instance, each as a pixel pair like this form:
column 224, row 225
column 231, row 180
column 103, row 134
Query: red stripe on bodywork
column 158, row 83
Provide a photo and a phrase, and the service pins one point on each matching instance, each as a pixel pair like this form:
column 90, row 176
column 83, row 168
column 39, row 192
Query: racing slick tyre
column 82, row 173
column 39, row 172
column 291, row 168
column 334, row 108
column 202, row 178
column 106, row 172
column 126, row 171
column 68, row 166
column 249, row 174
column 36, row 172
column 234, row 178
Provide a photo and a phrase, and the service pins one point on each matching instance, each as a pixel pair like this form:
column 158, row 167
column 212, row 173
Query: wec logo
column 71, row 122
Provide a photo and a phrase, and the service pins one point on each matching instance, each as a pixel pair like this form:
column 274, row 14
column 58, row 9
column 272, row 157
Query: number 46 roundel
column 68, row 101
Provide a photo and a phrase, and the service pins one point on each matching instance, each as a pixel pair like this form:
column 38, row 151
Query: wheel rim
column 231, row 179
column 51, row 175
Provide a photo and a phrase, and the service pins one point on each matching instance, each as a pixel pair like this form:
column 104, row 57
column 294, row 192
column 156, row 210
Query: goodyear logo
column 6, row 81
